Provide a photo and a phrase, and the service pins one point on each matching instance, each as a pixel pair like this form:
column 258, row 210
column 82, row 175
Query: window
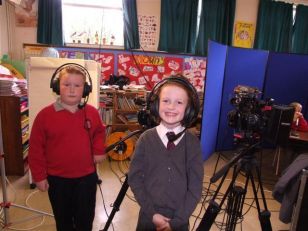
column 93, row 22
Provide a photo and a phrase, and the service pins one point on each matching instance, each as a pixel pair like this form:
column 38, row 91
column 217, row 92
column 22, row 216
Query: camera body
column 250, row 116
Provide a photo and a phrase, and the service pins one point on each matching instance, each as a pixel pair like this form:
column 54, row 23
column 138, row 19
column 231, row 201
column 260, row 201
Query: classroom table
column 298, row 143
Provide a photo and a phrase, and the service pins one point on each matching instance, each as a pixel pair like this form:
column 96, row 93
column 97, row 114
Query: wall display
column 148, row 70
column 151, row 67
column 194, row 69
column 147, row 25
column 107, row 64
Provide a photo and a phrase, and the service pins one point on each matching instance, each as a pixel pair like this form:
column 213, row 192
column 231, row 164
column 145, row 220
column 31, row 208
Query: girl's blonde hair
column 295, row 104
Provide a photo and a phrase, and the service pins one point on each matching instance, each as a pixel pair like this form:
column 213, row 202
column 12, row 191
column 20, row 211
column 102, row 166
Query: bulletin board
column 142, row 68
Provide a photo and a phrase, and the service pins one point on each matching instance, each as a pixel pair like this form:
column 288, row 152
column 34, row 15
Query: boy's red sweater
column 60, row 145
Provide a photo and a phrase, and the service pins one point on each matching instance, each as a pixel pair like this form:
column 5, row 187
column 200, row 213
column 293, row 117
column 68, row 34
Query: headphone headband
column 55, row 81
column 192, row 110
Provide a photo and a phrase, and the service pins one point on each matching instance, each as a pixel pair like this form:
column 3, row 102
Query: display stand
column 300, row 211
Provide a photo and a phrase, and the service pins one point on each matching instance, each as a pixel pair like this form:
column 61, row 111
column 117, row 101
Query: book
column 122, row 118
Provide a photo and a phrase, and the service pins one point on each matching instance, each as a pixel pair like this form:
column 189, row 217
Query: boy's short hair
column 72, row 70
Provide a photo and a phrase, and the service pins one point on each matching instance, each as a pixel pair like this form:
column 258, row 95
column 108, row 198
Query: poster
column 147, row 25
column 26, row 13
column 244, row 34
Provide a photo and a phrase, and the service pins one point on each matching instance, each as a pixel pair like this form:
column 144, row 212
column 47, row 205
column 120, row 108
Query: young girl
column 66, row 141
column 299, row 122
column 167, row 181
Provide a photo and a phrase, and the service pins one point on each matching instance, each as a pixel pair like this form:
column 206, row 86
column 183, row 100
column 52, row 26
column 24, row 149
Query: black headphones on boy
column 193, row 108
column 55, row 81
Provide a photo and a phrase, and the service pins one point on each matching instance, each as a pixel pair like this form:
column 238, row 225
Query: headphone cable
column 137, row 64
column 87, row 126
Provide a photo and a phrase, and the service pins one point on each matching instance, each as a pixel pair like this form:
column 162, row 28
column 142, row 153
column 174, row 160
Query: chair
column 276, row 160
column 300, row 211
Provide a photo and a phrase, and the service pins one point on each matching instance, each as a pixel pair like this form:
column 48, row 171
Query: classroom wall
column 245, row 11
column 23, row 35
column 150, row 8
column 3, row 29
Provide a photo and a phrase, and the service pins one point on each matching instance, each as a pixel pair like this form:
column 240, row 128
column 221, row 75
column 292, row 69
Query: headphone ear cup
column 56, row 86
column 87, row 89
column 187, row 116
column 154, row 106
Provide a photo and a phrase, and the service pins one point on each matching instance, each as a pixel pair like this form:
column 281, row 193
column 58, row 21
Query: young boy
column 66, row 141
column 167, row 179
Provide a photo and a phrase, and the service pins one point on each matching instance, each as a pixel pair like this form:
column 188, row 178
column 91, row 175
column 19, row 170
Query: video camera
column 250, row 116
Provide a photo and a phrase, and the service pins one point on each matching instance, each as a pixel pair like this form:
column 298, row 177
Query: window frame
column 92, row 45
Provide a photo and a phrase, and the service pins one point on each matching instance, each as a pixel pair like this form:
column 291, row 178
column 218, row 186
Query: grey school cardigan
column 167, row 180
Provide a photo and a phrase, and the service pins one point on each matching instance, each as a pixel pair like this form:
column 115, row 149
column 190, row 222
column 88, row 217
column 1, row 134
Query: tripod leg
column 214, row 208
column 4, row 203
column 264, row 216
column 117, row 203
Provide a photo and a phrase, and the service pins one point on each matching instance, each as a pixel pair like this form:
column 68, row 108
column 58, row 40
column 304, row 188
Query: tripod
column 245, row 161
column 125, row 186
column 6, row 204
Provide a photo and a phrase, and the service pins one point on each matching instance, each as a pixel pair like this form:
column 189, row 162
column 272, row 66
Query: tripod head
column 120, row 142
column 245, row 152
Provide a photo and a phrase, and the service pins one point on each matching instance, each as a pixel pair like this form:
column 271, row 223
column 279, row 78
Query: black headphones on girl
column 193, row 108
column 55, row 81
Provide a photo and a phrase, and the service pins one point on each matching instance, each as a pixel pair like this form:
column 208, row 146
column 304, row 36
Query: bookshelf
column 118, row 109
column 14, row 125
